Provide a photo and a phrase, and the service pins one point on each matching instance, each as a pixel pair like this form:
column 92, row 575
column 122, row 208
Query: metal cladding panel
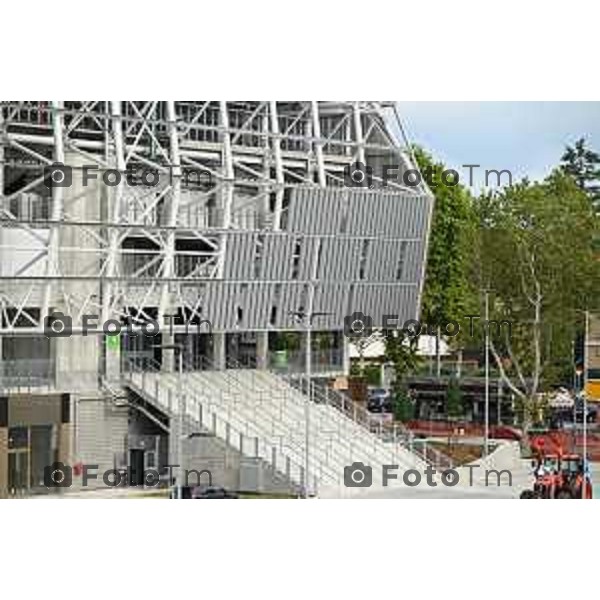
column 315, row 210
column 421, row 217
column 227, row 305
column 420, row 210
column 389, row 221
column 397, row 214
column 378, row 300
column 270, row 265
column 257, row 305
column 382, row 260
column 352, row 259
column 307, row 257
column 293, row 295
column 331, row 298
column 210, row 303
column 251, row 301
column 231, row 264
column 386, row 214
column 339, row 259
column 413, row 261
column 389, row 260
column 239, row 257
column 296, row 210
column 277, row 257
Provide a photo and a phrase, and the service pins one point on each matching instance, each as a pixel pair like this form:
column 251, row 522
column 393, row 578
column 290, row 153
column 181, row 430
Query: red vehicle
column 558, row 476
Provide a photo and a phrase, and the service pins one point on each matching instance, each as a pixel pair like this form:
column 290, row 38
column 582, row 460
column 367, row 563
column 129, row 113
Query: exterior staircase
column 263, row 415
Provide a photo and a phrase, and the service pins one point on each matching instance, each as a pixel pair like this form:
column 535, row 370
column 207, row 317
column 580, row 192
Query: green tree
column 583, row 164
column 401, row 351
column 455, row 408
column 541, row 275
column 448, row 293
column 404, row 408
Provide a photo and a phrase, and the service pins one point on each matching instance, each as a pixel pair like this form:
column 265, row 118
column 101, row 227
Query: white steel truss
column 219, row 168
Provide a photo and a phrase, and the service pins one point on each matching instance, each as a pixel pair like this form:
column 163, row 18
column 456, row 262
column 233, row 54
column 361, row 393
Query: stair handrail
column 192, row 393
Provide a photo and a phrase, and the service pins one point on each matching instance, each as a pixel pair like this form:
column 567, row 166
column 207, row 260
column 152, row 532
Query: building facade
column 221, row 230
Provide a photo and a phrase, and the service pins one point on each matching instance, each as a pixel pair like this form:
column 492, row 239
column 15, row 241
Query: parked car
column 559, row 417
column 212, row 493
column 379, row 400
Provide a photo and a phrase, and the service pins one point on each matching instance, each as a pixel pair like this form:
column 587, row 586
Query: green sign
column 113, row 342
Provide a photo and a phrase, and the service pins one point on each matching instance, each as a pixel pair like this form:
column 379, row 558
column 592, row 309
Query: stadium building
column 213, row 240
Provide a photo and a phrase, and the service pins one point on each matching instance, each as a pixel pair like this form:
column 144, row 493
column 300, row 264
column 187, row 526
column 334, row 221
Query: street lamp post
column 307, row 406
column 585, row 407
column 177, row 425
column 307, row 319
column 487, row 374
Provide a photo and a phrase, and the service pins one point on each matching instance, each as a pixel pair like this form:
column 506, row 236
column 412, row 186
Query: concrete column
column 77, row 357
column 168, row 356
column 65, row 429
column 302, row 349
column 346, row 355
column 262, row 349
column 3, row 462
column 65, row 434
column 113, row 357
column 3, row 446
column 219, row 358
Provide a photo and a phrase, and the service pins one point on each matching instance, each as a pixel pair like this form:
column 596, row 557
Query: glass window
column 18, row 437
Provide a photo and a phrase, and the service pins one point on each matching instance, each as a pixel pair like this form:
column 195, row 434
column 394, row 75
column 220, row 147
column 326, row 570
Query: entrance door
column 18, row 460
column 136, row 467
column 18, row 471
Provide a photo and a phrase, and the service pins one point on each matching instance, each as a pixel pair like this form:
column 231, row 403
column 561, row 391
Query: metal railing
column 257, row 385
column 431, row 455
column 206, row 407
column 334, row 431
column 381, row 438
column 322, row 361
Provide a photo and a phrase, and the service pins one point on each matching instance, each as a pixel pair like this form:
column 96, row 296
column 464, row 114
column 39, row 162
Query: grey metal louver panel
column 378, row 300
column 386, row 214
column 239, row 255
column 277, row 257
column 340, row 258
column 315, row 210
column 331, row 298
column 293, row 295
column 413, row 261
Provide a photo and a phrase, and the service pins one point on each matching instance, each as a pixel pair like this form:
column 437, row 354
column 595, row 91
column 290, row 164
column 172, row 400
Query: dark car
column 379, row 401
column 212, row 493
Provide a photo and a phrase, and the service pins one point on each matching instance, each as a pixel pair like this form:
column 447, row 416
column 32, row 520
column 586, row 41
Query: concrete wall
column 101, row 436
column 229, row 469
column 3, row 462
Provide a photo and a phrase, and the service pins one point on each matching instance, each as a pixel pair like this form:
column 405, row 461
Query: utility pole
column 585, row 406
column 487, row 373
column 176, row 429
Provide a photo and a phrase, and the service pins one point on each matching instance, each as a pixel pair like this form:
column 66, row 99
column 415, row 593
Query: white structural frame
column 158, row 247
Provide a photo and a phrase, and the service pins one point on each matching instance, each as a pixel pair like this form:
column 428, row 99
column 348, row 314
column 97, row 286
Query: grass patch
column 460, row 454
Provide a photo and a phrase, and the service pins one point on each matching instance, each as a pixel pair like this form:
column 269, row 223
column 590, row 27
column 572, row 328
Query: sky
column 528, row 138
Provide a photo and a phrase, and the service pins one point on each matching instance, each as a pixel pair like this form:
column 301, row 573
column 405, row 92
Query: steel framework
column 249, row 215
